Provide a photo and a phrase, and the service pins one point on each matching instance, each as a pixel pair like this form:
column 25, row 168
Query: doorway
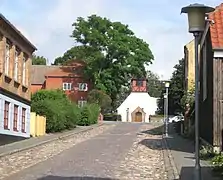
column 138, row 117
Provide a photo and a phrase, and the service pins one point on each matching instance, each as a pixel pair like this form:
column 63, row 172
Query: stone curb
column 170, row 166
column 50, row 140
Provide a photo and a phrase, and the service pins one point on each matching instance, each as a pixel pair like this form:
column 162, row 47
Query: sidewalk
column 182, row 151
column 33, row 142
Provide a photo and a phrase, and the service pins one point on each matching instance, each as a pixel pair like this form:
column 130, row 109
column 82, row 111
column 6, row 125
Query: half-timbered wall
column 139, row 85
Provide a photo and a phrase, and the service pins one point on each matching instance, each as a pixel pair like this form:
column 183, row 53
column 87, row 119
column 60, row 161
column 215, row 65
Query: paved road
column 95, row 158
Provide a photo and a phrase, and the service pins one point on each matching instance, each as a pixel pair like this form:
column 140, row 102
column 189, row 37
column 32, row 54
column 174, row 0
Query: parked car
column 176, row 119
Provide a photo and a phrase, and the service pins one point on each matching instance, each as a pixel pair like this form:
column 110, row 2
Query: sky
column 48, row 24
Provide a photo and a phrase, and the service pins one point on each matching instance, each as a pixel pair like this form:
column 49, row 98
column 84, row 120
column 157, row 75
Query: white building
column 139, row 105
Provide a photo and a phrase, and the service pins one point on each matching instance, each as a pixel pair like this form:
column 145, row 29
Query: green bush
column 217, row 161
column 206, row 153
column 112, row 117
column 89, row 115
column 56, row 120
column 49, row 94
column 157, row 116
column 60, row 112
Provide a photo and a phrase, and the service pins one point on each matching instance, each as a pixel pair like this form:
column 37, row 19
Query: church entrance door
column 138, row 117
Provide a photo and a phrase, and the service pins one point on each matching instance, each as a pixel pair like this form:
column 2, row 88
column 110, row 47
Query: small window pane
column 69, row 86
column 64, row 86
column 82, row 86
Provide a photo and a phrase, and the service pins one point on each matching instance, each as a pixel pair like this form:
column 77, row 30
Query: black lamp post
column 196, row 19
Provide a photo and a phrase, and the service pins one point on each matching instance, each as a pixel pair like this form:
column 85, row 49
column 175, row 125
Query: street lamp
column 167, row 85
column 196, row 20
column 164, row 113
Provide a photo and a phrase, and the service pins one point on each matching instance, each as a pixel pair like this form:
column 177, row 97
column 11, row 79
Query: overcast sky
column 47, row 23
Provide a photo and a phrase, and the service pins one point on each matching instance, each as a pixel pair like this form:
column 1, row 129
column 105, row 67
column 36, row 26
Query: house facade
column 15, row 65
column 139, row 105
column 189, row 69
column 211, row 80
column 69, row 78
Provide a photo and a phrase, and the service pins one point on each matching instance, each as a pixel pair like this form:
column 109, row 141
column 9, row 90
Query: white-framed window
column 81, row 103
column 67, row 86
column 82, row 87
column 7, row 58
column 24, row 71
column 16, row 65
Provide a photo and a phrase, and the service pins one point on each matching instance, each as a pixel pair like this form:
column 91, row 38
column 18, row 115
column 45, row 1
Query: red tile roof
column 38, row 73
column 217, row 28
column 73, row 68
column 66, row 71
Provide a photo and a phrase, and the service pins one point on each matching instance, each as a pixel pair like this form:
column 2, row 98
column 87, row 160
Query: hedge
column 60, row 112
column 112, row 117
column 157, row 116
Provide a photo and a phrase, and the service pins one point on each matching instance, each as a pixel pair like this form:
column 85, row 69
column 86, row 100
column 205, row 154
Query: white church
column 139, row 105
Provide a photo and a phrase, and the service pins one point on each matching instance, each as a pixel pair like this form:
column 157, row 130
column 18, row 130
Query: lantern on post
column 196, row 21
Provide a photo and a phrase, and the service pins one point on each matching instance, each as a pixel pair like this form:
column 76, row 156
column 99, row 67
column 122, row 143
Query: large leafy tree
column 176, row 90
column 112, row 52
column 122, row 95
column 154, row 84
column 39, row 60
column 76, row 52
column 100, row 98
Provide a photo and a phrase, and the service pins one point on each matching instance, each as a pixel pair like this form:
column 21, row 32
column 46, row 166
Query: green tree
column 154, row 84
column 112, row 52
column 123, row 94
column 176, row 90
column 100, row 98
column 39, row 60
column 76, row 52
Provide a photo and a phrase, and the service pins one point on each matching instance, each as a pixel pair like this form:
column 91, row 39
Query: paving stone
column 126, row 152
column 145, row 159
column 13, row 163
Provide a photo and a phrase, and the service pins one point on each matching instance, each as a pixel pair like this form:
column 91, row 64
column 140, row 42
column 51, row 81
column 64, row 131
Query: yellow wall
column 37, row 125
column 191, row 64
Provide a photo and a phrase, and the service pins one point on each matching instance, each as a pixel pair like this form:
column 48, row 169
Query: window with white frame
column 24, row 71
column 67, row 86
column 7, row 58
column 81, row 103
column 82, row 86
column 16, row 65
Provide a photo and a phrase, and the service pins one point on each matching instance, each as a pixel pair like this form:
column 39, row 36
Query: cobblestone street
column 113, row 151
column 145, row 159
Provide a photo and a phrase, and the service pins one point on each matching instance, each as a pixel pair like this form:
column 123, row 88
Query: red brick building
column 69, row 78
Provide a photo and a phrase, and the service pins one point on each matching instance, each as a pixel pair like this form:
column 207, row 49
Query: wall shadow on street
column 187, row 173
column 174, row 141
column 74, row 178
